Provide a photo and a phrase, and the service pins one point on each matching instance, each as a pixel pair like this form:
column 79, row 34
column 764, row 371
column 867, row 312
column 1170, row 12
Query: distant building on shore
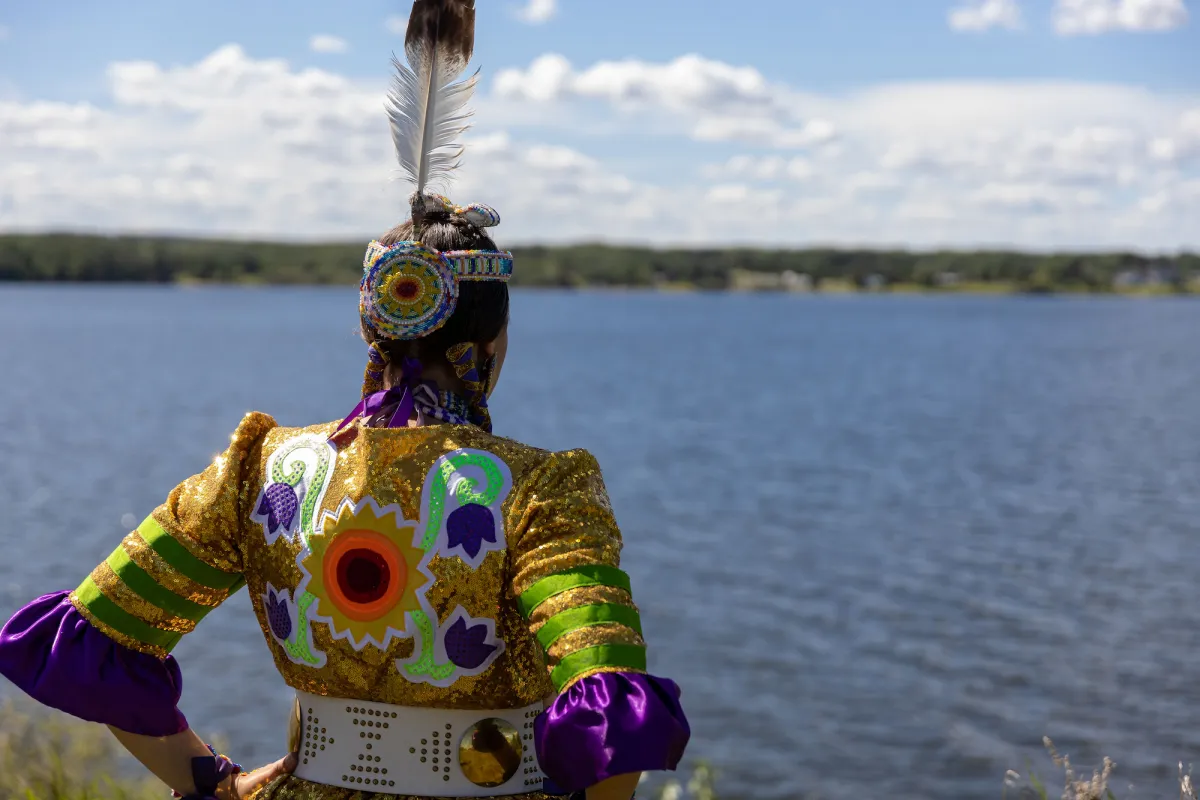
column 796, row 282
column 744, row 280
column 1154, row 275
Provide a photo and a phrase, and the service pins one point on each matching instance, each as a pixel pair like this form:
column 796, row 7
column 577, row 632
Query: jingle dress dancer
column 447, row 604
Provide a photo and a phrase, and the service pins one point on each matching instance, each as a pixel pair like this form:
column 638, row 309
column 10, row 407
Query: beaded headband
column 409, row 290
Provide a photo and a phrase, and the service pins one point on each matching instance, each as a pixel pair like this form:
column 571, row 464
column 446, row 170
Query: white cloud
column 1069, row 155
column 1035, row 162
column 768, row 132
column 1180, row 145
column 536, row 12
column 237, row 145
column 248, row 147
column 713, row 101
column 324, row 43
column 767, row 168
column 981, row 15
column 397, row 25
column 1037, row 197
column 1076, row 17
column 730, row 193
column 688, row 83
column 49, row 127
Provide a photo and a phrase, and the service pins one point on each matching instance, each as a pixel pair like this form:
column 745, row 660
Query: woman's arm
column 170, row 759
column 609, row 720
column 102, row 652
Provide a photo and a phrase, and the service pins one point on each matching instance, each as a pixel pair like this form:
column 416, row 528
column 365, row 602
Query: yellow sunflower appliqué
column 366, row 573
column 417, row 294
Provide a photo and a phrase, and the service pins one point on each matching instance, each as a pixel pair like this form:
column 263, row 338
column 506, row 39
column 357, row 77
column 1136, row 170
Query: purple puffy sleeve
column 610, row 717
column 608, row 724
column 51, row 652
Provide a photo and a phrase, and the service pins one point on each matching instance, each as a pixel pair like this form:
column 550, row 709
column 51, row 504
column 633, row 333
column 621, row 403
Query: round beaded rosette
column 407, row 290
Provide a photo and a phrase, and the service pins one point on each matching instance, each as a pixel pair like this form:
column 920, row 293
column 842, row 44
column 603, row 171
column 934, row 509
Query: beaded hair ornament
column 409, row 289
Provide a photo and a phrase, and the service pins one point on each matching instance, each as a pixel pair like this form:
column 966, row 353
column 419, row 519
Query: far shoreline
column 92, row 259
column 975, row 290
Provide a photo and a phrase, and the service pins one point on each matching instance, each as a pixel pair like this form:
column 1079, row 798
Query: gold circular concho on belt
column 490, row 752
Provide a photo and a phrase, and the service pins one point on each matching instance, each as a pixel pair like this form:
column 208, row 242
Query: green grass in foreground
column 45, row 755
column 50, row 756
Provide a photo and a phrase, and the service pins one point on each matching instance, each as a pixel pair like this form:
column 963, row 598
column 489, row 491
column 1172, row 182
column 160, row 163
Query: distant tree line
column 167, row 260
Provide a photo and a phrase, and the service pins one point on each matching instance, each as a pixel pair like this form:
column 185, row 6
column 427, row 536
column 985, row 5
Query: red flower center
column 407, row 289
column 363, row 575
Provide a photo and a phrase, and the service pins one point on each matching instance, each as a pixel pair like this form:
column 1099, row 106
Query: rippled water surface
column 883, row 543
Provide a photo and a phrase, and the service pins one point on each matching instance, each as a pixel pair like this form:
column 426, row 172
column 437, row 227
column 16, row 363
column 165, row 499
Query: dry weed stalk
column 1094, row 789
column 1186, row 790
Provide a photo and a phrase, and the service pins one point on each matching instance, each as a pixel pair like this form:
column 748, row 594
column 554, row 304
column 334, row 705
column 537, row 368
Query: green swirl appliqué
column 425, row 665
column 292, row 478
column 316, row 487
column 465, row 491
column 297, row 645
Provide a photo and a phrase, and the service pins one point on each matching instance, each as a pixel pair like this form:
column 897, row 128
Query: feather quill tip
column 426, row 108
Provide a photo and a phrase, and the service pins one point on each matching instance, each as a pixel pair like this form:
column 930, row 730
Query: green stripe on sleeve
column 140, row 581
column 120, row 620
column 182, row 560
column 620, row 656
column 585, row 616
column 551, row 585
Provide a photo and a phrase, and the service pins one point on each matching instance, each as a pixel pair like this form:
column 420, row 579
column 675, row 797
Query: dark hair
column 482, row 310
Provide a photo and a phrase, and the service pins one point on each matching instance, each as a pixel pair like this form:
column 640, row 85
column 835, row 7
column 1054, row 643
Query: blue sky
column 1027, row 123
column 822, row 45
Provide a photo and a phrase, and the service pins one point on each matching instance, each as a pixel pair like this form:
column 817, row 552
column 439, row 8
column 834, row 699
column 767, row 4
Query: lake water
column 885, row 544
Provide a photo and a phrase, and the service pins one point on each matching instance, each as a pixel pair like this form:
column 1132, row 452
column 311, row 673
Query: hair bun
column 477, row 214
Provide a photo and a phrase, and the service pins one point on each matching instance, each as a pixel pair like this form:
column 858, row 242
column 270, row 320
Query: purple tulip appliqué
column 279, row 615
column 279, row 503
column 470, row 526
column 467, row 647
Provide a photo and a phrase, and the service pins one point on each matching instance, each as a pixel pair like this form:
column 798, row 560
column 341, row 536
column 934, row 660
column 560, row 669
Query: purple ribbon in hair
column 404, row 394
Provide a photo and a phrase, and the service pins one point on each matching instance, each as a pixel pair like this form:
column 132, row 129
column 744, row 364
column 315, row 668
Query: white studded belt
column 428, row 752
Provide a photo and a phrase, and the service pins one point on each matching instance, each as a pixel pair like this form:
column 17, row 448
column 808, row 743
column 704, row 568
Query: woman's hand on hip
column 245, row 784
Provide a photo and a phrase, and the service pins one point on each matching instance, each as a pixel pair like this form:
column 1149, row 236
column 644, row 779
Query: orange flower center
column 365, row 574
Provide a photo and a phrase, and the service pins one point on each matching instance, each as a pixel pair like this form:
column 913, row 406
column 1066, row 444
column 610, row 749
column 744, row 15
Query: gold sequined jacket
column 436, row 566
